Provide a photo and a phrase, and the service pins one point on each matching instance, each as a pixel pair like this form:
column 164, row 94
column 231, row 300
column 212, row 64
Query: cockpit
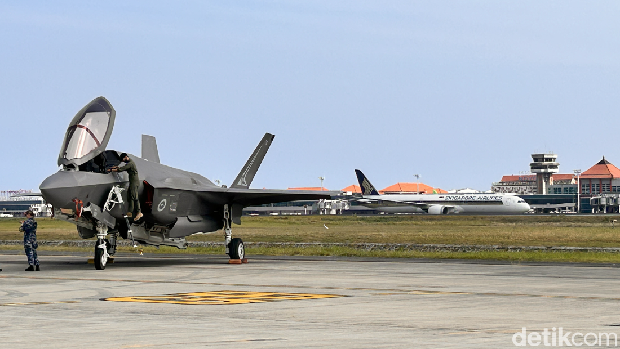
column 87, row 135
column 101, row 163
column 84, row 147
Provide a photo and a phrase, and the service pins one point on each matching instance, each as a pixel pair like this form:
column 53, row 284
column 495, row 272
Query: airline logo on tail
column 367, row 188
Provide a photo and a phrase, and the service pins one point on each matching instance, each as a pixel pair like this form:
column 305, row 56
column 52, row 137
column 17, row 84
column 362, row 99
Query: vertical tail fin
column 367, row 188
column 149, row 149
column 245, row 177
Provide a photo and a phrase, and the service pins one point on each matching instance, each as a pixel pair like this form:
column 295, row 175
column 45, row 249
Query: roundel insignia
column 162, row 205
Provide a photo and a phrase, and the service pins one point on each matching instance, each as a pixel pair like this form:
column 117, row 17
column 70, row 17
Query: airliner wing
column 421, row 205
column 425, row 206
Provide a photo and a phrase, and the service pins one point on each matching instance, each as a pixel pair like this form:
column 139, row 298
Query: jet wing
column 246, row 197
column 238, row 198
column 209, row 196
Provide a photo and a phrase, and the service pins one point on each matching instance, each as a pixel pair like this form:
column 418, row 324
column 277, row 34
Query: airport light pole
column 417, row 176
column 578, row 173
column 322, row 179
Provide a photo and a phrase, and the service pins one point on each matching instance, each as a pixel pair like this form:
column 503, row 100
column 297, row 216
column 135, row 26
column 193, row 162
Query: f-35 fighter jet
column 175, row 203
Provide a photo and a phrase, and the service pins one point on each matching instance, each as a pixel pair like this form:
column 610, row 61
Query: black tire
column 236, row 250
column 100, row 259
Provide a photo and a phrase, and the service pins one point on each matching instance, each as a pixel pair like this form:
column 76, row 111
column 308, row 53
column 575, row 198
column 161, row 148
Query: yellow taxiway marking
column 222, row 297
column 381, row 291
column 34, row 303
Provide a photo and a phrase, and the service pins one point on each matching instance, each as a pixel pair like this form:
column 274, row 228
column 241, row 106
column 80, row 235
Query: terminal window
column 570, row 190
column 585, row 189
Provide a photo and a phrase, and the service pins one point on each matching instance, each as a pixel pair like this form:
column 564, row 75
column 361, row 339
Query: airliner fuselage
column 447, row 203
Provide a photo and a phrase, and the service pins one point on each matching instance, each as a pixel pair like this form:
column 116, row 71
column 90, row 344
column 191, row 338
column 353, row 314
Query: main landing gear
column 234, row 247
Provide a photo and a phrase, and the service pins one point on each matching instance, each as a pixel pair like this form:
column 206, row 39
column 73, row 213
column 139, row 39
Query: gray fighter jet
column 175, row 203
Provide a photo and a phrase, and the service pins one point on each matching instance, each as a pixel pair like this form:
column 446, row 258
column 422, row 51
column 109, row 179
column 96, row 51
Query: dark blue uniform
column 29, row 227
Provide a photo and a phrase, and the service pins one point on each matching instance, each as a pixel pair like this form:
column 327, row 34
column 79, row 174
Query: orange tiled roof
column 519, row 178
column 562, row 176
column 603, row 169
column 352, row 188
column 310, row 188
column 410, row 188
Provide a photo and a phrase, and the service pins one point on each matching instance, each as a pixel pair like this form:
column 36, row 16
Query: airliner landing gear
column 234, row 247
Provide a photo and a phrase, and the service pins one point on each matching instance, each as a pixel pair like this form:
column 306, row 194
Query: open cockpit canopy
column 88, row 133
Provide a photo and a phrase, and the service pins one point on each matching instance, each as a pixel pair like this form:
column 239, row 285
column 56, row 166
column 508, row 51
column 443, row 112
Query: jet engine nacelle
column 440, row 209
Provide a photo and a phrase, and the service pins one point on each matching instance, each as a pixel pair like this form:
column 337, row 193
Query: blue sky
column 459, row 92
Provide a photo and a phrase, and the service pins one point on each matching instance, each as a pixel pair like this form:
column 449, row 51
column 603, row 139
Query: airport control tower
column 544, row 166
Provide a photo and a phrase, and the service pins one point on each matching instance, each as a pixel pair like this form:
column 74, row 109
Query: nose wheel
column 101, row 254
column 102, row 246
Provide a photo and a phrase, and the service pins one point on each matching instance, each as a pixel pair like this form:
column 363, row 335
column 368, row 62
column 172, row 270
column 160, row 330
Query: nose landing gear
column 101, row 247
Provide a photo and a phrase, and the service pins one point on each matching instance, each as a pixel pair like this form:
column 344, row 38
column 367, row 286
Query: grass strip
column 335, row 251
column 526, row 230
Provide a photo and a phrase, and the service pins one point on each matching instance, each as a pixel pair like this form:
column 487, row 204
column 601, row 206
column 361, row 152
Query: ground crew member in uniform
column 134, row 184
column 29, row 228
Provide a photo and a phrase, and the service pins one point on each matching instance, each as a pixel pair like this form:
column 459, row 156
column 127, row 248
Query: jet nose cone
column 61, row 188
column 525, row 207
column 48, row 183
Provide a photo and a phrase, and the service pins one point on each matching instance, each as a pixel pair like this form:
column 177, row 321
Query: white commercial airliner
column 439, row 203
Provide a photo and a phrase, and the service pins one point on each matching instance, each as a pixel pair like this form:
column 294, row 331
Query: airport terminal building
column 599, row 186
column 596, row 190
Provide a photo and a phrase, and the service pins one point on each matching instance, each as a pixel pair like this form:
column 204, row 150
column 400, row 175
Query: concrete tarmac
column 202, row 301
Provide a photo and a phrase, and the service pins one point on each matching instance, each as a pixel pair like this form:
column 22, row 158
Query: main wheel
column 101, row 257
column 236, row 249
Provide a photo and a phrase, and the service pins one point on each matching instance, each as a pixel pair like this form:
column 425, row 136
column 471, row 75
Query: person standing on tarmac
column 29, row 228
column 134, row 184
